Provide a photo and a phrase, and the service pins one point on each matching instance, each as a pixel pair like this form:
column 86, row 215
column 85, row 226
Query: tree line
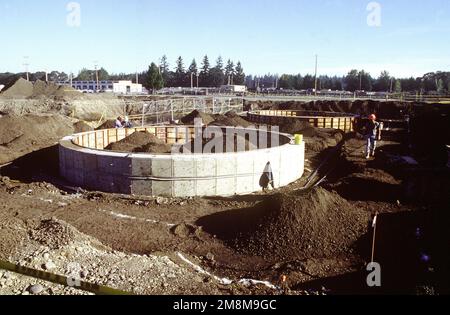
column 161, row 75
column 203, row 75
column 355, row 80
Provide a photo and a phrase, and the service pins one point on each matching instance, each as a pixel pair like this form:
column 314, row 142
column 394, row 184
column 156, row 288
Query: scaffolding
column 166, row 111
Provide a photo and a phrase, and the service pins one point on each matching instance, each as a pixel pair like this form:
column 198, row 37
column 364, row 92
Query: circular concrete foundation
column 85, row 163
column 329, row 120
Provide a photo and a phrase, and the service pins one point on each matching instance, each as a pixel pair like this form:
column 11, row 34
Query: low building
column 233, row 88
column 118, row 87
column 127, row 87
column 89, row 86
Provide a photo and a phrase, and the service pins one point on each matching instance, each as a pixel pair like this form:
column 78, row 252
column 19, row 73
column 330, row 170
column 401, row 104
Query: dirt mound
column 183, row 230
column 81, row 126
column 190, row 119
column 383, row 109
column 20, row 135
column 109, row 124
column 370, row 185
column 231, row 119
column 19, row 88
column 315, row 224
column 316, row 139
column 293, row 126
column 53, row 233
column 140, row 142
column 43, row 89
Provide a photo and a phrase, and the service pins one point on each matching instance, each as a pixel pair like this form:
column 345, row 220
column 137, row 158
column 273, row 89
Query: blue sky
column 266, row 36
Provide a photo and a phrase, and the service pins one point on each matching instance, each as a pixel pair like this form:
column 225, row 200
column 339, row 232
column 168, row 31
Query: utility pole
column 26, row 64
column 315, row 80
column 197, row 80
column 192, row 80
column 96, row 75
column 137, row 77
column 46, row 76
column 360, row 81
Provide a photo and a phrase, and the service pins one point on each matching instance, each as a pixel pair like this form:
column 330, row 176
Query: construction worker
column 127, row 123
column 118, row 123
column 372, row 135
column 267, row 178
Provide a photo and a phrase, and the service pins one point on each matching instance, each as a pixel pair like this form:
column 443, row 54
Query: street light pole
column 96, row 77
column 27, row 64
column 360, row 81
column 315, row 80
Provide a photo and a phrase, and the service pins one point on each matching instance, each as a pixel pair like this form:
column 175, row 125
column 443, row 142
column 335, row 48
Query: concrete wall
column 179, row 175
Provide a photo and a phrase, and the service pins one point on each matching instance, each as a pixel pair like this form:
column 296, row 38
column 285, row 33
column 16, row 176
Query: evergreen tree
column 154, row 79
column 398, row 86
column 164, row 69
column 205, row 72
column 240, row 75
column 180, row 73
column 229, row 72
column 216, row 76
column 383, row 83
column 193, row 67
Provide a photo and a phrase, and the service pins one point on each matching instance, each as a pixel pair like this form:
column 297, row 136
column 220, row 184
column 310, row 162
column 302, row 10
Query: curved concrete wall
column 329, row 120
column 85, row 164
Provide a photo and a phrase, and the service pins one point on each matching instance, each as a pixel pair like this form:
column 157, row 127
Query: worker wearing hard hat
column 372, row 135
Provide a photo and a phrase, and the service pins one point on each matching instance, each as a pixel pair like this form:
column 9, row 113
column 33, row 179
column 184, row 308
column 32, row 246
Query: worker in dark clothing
column 372, row 135
column 267, row 178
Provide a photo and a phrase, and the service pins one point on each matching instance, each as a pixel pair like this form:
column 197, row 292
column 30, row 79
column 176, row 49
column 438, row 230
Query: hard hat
column 373, row 117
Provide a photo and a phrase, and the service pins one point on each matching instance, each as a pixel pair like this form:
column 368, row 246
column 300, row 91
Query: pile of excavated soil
column 20, row 135
column 190, row 119
column 41, row 88
column 140, row 142
column 293, row 126
column 370, row 185
column 315, row 224
column 21, row 88
column 81, row 126
column 231, row 119
column 383, row 109
column 53, row 234
column 109, row 124
column 316, row 140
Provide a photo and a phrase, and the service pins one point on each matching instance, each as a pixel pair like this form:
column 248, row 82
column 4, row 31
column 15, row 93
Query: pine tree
column 193, row 67
column 154, row 79
column 216, row 76
column 180, row 73
column 229, row 71
column 205, row 72
column 240, row 75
